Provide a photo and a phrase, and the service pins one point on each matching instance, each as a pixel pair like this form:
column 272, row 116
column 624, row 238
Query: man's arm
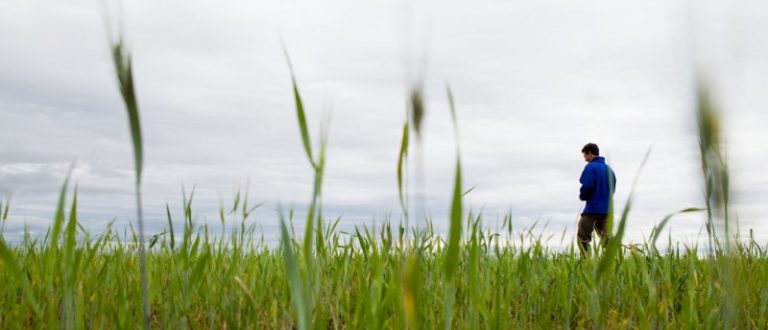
column 587, row 184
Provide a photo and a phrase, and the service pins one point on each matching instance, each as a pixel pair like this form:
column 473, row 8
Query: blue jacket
column 598, row 182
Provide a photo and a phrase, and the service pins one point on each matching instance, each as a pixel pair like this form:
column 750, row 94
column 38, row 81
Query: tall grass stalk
column 4, row 208
column 124, row 74
column 455, row 228
column 713, row 164
column 730, row 273
column 314, row 213
column 401, row 171
column 416, row 114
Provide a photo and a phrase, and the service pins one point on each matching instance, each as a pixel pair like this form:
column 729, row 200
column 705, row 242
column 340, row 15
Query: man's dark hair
column 591, row 148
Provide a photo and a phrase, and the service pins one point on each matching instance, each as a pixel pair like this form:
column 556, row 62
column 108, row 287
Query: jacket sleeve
column 587, row 184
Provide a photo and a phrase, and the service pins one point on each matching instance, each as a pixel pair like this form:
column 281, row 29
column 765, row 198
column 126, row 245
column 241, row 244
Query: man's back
column 597, row 185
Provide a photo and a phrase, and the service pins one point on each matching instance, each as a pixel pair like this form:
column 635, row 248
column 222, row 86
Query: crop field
column 389, row 276
column 372, row 278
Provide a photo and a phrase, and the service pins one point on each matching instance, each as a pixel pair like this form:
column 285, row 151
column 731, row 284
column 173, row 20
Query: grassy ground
column 373, row 279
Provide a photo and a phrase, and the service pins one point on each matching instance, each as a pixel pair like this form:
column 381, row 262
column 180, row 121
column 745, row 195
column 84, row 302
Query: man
column 598, row 183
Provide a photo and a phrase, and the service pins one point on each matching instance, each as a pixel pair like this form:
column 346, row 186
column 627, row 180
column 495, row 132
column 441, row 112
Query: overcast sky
column 533, row 80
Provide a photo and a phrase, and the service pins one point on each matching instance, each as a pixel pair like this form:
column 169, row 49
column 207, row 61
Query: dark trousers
column 588, row 223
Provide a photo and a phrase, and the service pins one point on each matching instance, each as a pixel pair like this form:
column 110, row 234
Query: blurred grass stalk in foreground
column 714, row 166
column 730, row 277
column 304, row 292
column 124, row 73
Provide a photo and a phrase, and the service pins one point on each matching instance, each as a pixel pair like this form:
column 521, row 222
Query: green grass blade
column 5, row 207
column 455, row 228
column 70, row 233
column 614, row 245
column 300, row 110
column 70, row 266
column 170, row 225
column 4, row 212
column 294, row 280
column 714, row 166
column 236, row 202
column 657, row 230
column 59, row 217
column 124, row 71
column 417, row 108
column 400, row 164
column 454, row 235
column 452, row 253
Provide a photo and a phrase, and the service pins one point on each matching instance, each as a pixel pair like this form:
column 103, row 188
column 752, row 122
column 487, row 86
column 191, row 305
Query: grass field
column 372, row 279
column 391, row 276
